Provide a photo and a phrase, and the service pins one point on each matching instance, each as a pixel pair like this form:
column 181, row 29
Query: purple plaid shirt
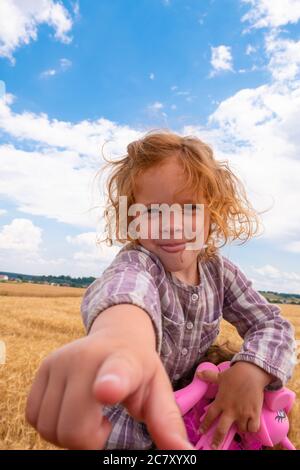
column 186, row 320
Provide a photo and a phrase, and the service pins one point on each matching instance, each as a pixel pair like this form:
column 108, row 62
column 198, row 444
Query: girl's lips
column 173, row 248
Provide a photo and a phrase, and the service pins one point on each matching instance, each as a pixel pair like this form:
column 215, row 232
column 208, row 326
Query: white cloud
column 85, row 137
column 250, row 49
column 3, row 211
column 190, row 99
column 20, row 20
column 92, row 257
column 22, row 250
column 87, row 239
column 157, row 106
column 64, row 64
column 268, row 270
column 293, row 247
column 256, row 130
column 182, row 93
column 201, row 18
column 272, row 13
column 21, row 235
column 155, row 112
column 57, row 178
column 48, row 73
column 284, row 57
column 2, row 89
column 221, row 59
column 76, row 9
column 269, row 277
column 152, row 76
column 47, row 183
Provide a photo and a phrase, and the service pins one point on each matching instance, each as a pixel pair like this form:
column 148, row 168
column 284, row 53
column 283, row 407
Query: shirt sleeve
column 269, row 339
column 123, row 283
column 126, row 433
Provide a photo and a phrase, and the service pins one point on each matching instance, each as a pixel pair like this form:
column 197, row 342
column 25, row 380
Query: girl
column 156, row 309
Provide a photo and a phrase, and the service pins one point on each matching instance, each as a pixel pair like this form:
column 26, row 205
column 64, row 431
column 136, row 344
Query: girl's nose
column 173, row 225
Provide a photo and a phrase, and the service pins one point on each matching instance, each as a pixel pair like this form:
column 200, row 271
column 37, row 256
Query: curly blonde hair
column 232, row 217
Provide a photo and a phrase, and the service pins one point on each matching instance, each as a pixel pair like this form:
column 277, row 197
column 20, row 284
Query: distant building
column 3, row 277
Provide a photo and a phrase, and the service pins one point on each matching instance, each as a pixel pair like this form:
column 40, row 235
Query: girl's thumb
column 210, row 376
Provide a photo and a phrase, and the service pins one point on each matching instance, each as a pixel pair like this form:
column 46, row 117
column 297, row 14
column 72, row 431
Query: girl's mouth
column 173, row 247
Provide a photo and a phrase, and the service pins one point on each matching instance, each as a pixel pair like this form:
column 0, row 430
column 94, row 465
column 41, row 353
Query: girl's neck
column 190, row 276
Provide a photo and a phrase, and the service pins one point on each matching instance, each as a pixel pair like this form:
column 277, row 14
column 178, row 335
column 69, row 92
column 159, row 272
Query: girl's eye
column 191, row 208
column 154, row 211
column 151, row 210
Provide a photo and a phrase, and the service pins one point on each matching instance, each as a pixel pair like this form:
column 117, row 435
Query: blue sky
column 80, row 73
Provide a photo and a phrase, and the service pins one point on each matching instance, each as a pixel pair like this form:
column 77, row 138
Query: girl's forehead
column 168, row 173
column 165, row 182
column 164, row 192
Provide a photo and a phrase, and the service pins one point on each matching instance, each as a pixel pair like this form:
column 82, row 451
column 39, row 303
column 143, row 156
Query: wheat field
column 35, row 320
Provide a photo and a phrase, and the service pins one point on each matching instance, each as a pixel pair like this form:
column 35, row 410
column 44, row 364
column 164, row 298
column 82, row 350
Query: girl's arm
column 269, row 339
column 108, row 300
column 115, row 363
column 123, row 283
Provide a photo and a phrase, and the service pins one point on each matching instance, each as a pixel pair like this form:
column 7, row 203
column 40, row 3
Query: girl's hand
column 239, row 399
column 73, row 382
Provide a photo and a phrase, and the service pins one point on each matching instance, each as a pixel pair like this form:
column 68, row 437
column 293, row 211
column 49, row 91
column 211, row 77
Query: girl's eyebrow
column 187, row 201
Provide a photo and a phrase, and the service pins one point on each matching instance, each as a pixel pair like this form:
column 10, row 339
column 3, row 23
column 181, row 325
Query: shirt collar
column 171, row 275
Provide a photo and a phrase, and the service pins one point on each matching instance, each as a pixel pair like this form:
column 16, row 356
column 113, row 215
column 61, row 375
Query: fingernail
column 214, row 446
column 186, row 443
column 108, row 378
column 189, row 445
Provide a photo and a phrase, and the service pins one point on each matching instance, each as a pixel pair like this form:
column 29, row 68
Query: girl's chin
column 172, row 261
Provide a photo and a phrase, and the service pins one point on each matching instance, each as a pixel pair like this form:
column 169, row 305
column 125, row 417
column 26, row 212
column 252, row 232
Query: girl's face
column 158, row 185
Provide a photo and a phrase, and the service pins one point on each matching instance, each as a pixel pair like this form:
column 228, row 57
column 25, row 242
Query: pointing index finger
column 163, row 417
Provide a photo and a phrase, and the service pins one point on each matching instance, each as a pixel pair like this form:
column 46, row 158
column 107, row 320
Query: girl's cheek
column 148, row 229
column 154, row 227
column 191, row 227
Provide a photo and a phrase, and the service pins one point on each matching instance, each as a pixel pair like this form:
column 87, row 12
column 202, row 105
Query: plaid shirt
column 186, row 320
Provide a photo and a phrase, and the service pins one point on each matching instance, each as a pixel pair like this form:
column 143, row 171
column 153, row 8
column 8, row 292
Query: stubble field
column 35, row 320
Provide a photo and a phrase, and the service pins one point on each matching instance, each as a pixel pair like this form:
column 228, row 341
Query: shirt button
column 184, row 351
column 195, row 297
column 189, row 325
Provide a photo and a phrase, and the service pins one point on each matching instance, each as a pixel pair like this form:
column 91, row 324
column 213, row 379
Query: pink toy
column 195, row 399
